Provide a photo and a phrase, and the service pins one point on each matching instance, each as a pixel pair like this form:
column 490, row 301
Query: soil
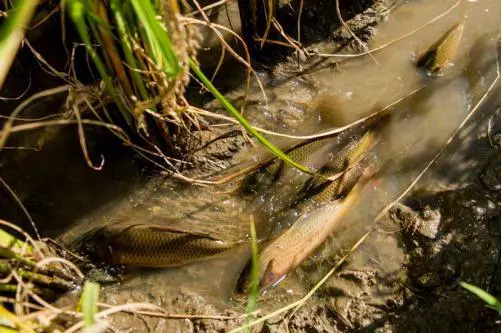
column 403, row 278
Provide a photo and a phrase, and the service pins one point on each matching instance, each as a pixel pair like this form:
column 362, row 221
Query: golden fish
column 313, row 154
column 154, row 246
column 290, row 249
column 335, row 189
column 441, row 54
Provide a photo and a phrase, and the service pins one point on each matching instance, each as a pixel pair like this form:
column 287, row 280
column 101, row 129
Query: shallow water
column 420, row 125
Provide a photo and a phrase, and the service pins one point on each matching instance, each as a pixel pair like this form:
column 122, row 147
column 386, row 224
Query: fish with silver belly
column 290, row 249
column 153, row 245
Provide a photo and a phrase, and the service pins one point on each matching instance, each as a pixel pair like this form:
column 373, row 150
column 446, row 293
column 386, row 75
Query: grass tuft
column 156, row 71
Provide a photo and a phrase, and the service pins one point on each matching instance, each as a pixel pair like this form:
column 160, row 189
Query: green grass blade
column 158, row 35
column 7, row 241
column 233, row 111
column 89, row 303
column 116, row 7
column 490, row 300
column 254, row 273
column 78, row 10
column 12, row 33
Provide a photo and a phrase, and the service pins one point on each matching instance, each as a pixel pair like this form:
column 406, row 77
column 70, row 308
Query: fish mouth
column 265, row 287
column 266, row 282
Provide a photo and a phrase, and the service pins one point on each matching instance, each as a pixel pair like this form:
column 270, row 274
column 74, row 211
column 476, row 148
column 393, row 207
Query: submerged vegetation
column 146, row 55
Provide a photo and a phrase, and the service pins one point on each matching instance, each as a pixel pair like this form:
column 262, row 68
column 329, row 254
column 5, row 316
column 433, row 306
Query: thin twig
column 8, row 124
column 346, row 26
column 21, row 205
column 339, row 55
column 443, row 148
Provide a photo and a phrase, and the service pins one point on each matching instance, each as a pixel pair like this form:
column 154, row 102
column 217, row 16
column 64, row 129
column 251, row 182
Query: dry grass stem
column 346, row 26
column 311, row 136
column 208, row 7
column 143, row 309
column 50, row 260
column 246, row 62
column 8, row 124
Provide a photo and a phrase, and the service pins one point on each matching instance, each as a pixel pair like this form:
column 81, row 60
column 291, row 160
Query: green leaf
column 116, row 7
column 490, row 300
column 157, row 35
column 78, row 11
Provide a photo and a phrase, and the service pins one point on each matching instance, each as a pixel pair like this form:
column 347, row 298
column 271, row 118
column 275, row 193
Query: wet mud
column 404, row 277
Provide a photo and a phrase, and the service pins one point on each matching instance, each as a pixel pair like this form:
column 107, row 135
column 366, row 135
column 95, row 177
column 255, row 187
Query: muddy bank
column 405, row 275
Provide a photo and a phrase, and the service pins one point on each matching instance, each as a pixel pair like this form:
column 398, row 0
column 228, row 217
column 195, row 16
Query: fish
column 281, row 185
column 346, row 167
column 150, row 245
column 314, row 225
column 334, row 189
column 441, row 54
column 311, row 153
column 290, row 249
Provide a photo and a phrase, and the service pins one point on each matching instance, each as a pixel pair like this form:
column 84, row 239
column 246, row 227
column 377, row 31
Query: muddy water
column 329, row 96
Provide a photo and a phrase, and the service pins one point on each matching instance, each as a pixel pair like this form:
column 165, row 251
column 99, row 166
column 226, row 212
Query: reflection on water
column 417, row 129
